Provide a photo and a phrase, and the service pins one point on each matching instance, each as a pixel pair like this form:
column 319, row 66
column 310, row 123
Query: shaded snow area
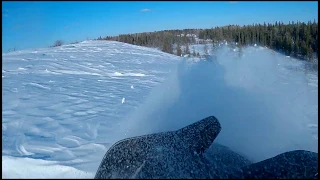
column 64, row 107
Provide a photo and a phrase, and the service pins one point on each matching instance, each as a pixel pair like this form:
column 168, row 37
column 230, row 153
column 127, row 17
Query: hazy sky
column 39, row 24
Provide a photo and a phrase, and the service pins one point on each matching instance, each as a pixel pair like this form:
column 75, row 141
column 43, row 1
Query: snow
column 64, row 106
column 37, row 168
column 62, row 110
column 264, row 109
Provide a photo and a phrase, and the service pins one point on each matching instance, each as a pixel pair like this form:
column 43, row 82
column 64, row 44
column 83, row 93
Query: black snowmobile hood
column 175, row 154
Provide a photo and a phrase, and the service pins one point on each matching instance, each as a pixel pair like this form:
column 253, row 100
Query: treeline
column 168, row 40
column 296, row 39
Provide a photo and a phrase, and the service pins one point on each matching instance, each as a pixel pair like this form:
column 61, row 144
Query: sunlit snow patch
column 36, row 168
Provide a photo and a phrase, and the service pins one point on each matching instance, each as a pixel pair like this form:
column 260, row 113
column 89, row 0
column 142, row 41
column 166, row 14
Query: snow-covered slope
column 64, row 104
column 64, row 107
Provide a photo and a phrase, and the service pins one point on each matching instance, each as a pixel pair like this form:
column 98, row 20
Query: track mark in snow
column 14, row 90
column 41, row 150
column 4, row 127
column 69, row 142
column 136, row 74
column 128, row 74
column 77, row 72
column 22, row 150
column 91, row 112
column 311, row 126
column 118, row 74
column 80, row 113
column 39, row 86
column 315, row 137
column 8, row 112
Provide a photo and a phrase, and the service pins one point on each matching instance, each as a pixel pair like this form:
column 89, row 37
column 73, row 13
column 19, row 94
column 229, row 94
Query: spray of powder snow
column 267, row 103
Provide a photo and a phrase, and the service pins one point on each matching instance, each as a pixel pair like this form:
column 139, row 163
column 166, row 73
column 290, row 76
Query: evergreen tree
column 310, row 53
column 179, row 50
column 295, row 50
column 193, row 52
column 167, row 47
column 187, row 50
column 296, row 38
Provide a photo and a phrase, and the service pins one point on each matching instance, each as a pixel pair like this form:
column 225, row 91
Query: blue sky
column 38, row 24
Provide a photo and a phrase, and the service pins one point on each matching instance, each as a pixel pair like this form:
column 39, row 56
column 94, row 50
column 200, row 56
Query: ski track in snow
column 64, row 107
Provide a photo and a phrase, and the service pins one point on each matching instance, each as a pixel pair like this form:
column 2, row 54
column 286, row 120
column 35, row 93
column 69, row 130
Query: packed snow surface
column 64, row 107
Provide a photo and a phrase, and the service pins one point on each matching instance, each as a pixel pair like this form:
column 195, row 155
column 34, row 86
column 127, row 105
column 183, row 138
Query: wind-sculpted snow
column 67, row 105
column 64, row 104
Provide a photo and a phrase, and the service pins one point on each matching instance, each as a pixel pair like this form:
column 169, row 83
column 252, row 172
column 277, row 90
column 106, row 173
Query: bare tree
column 76, row 42
column 206, row 50
column 58, row 43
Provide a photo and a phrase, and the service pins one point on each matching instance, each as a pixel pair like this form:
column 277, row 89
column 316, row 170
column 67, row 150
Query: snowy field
column 64, row 107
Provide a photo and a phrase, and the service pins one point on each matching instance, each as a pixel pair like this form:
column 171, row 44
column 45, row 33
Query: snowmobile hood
column 174, row 154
